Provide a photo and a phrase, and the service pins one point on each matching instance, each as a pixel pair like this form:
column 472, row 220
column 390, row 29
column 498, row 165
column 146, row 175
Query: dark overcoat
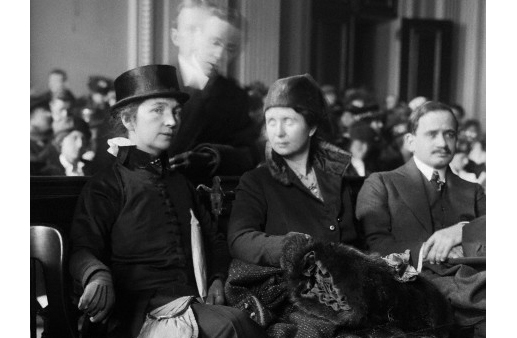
column 271, row 201
column 218, row 116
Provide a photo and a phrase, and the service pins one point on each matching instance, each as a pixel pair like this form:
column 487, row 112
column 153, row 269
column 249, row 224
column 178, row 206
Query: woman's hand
column 216, row 293
column 98, row 297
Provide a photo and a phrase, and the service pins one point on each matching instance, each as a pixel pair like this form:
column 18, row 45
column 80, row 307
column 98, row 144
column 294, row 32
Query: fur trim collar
column 324, row 156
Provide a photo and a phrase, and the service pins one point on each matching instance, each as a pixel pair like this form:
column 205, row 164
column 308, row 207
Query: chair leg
column 34, row 302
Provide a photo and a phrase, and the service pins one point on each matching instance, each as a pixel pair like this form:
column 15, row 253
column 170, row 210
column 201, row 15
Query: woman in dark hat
column 301, row 188
column 131, row 237
column 70, row 144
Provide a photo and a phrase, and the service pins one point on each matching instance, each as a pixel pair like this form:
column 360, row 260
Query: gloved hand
column 191, row 159
column 98, row 297
column 216, row 293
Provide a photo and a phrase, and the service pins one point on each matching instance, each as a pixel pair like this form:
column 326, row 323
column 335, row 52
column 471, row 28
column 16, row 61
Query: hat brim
column 180, row 96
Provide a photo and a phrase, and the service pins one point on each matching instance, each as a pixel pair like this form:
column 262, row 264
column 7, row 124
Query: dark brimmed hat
column 147, row 82
column 299, row 92
column 100, row 84
column 69, row 125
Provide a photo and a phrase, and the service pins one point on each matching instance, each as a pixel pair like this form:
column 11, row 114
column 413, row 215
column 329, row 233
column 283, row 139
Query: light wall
column 468, row 86
column 82, row 37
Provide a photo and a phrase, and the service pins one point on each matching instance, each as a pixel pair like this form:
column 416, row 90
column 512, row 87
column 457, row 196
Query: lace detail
column 310, row 182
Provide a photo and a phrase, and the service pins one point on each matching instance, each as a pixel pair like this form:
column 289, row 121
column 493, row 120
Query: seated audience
column 131, row 238
column 70, row 143
column 362, row 138
column 61, row 108
column 94, row 108
column 40, row 134
column 57, row 85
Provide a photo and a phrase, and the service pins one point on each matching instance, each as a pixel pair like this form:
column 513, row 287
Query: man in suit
column 216, row 135
column 424, row 207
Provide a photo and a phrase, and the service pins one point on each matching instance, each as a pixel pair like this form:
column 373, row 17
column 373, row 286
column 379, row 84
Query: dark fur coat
column 334, row 290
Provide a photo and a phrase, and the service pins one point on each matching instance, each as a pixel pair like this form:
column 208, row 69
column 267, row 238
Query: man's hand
column 190, row 159
column 98, row 297
column 440, row 244
column 456, row 252
column 216, row 293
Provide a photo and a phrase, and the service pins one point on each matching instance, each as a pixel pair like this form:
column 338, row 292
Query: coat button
column 332, row 227
column 252, row 315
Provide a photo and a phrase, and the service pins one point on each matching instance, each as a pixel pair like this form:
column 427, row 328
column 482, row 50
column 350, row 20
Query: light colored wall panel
column 259, row 59
column 81, row 37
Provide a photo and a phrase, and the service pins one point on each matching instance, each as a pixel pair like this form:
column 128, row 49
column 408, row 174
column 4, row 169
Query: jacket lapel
column 412, row 192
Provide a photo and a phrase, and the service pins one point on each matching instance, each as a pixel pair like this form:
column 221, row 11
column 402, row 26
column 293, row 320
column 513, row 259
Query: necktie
column 435, row 180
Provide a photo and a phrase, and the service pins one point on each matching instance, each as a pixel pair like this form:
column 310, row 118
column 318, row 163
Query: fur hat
column 299, row 92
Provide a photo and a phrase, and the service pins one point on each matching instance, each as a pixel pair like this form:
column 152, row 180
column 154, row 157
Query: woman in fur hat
column 301, row 188
column 134, row 223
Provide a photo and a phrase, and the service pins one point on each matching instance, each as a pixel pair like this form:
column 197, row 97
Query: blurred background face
column 41, row 120
column 459, row 161
column 73, row 146
column 347, row 119
column 56, row 83
column 59, row 109
column 288, row 132
column 217, row 44
column 188, row 23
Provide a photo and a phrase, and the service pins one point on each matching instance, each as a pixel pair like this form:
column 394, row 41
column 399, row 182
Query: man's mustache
column 445, row 150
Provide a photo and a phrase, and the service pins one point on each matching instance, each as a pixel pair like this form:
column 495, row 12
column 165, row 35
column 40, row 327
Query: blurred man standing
column 216, row 135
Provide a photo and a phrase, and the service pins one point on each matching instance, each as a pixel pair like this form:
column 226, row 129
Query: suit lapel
column 460, row 198
column 412, row 192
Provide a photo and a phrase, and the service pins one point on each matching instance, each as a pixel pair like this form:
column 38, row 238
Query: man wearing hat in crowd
column 362, row 137
column 94, row 109
column 40, row 134
column 139, row 230
column 216, row 134
column 71, row 143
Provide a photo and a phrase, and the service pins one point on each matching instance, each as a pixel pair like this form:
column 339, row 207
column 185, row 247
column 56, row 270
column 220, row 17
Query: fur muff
column 339, row 284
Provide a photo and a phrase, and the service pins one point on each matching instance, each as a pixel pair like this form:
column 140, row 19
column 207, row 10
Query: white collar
column 191, row 73
column 428, row 171
column 358, row 164
column 69, row 167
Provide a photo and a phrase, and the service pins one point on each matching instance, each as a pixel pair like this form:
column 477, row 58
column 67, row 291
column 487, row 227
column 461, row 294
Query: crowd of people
column 146, row 137
column 373, row 133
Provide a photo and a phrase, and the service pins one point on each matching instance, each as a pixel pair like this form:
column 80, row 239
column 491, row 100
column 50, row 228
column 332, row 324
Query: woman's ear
column 312, row 131
column 127, row 122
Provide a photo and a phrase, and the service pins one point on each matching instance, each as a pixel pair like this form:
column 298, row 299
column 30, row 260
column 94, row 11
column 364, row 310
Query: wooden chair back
column 48, row 247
